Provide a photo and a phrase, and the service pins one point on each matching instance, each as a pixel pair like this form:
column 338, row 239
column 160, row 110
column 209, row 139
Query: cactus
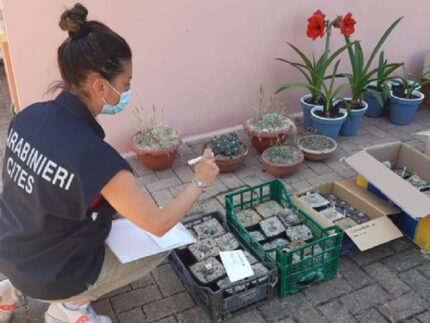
column 226, row 145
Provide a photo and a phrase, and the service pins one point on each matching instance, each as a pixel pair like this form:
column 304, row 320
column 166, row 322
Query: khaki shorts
column 115, row 274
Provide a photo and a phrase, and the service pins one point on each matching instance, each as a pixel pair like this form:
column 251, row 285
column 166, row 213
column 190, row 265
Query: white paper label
column 236, row 265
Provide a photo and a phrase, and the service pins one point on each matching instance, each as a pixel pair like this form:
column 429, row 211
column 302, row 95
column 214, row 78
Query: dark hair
column 90, row 47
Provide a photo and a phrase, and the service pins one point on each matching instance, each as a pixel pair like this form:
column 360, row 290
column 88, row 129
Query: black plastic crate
column 231, row 299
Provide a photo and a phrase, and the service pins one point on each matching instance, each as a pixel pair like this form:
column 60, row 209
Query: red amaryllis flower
column 347, row 25
column 316, row 25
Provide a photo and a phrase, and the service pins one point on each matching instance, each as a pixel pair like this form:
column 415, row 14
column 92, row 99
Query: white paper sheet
column 236, row 265
column 128, row 242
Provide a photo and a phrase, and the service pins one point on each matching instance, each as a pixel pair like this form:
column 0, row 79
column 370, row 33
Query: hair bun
column 74, row 20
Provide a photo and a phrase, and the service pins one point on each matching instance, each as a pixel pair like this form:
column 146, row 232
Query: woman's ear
column 98, row 87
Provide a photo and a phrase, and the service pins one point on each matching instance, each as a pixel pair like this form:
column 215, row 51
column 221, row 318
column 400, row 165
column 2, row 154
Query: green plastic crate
column 302, row 271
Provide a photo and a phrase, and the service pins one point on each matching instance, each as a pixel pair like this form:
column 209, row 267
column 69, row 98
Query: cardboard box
column 426, row 135
column 375, row 177
column 367, row 235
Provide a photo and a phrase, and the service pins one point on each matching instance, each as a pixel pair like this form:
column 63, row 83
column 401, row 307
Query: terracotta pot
column 263, row 140
column 156, row 160
column 281, row 170
column 230, row 165
column 316, row 155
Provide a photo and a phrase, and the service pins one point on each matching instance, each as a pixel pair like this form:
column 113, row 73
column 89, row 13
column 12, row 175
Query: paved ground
column 390, row 283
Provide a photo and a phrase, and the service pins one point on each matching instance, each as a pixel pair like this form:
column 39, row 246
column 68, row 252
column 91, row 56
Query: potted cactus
column 229, row 151
column 155, row 145
column 316, row 147
column 268, row 123
column 282, row 161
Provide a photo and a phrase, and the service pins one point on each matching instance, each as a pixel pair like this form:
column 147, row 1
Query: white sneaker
column 58, row 313
column 7, row 293
column 6, row 312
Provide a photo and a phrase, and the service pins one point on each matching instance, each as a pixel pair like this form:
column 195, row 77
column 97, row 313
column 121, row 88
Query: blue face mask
column 124, row 98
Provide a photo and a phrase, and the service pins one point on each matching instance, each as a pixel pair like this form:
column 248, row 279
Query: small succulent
column 226, row 144
column 283, row 154
column 155, row 135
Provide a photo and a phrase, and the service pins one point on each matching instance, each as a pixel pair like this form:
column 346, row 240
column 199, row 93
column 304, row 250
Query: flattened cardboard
column 373, row 233
column 377, row 231
column 408, row 198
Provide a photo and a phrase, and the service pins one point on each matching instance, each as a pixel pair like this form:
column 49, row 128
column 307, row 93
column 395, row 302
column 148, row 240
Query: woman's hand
column 206, row 170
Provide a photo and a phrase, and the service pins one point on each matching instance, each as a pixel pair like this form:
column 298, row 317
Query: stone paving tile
column 167, row 280
column 370, row 316
column 214, row 189
column 302, row 310
column 138, row 167
column 301, row 186
column 135, row 298
column 116, row 292
column 135, row 315
column 372, row 255
column 405, row 260
column 184, row 173
column 162, row 197
column 318, row 168
column 231, row 180
column 170, row 319
column 418, row 282
column 213, row 204
column 143, row 282
column 175, row 190
column 159, row 185
column 194, row 315
column 387, row 279
column 336, row 313
column 365, row 298
column 401, row 244
column 353, row 274
column 322, row 179
column 252, row 316
column 328, row 290
column 302, row 174
column 167, row 306
column 403, row 307
column 425, row 269
column 147, row 179
column 164, row 174
column 424, row 318
column 104, row 307
column 274, row 310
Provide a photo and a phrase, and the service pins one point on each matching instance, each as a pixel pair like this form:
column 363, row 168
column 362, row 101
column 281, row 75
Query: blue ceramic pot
column 353, row 121
column 374, row 108
column 307, row 119
column 329, row 127
column 402, row 110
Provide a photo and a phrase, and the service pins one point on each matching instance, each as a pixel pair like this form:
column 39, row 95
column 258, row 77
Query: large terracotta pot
column 263, row 140
column 281, row 170
column 156, row 160
column 225, row 164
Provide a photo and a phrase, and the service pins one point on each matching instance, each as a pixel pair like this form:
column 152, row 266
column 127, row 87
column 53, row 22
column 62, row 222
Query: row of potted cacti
column 271, row 132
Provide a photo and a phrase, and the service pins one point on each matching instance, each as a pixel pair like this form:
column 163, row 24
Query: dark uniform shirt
column 53, row 221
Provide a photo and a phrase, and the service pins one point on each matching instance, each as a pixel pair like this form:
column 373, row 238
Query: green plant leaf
column 381, row 42
column 377, row 95
column 298, row 85
column 299, row 67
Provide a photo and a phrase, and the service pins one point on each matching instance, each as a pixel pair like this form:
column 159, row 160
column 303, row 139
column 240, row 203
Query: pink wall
column 202, row 61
